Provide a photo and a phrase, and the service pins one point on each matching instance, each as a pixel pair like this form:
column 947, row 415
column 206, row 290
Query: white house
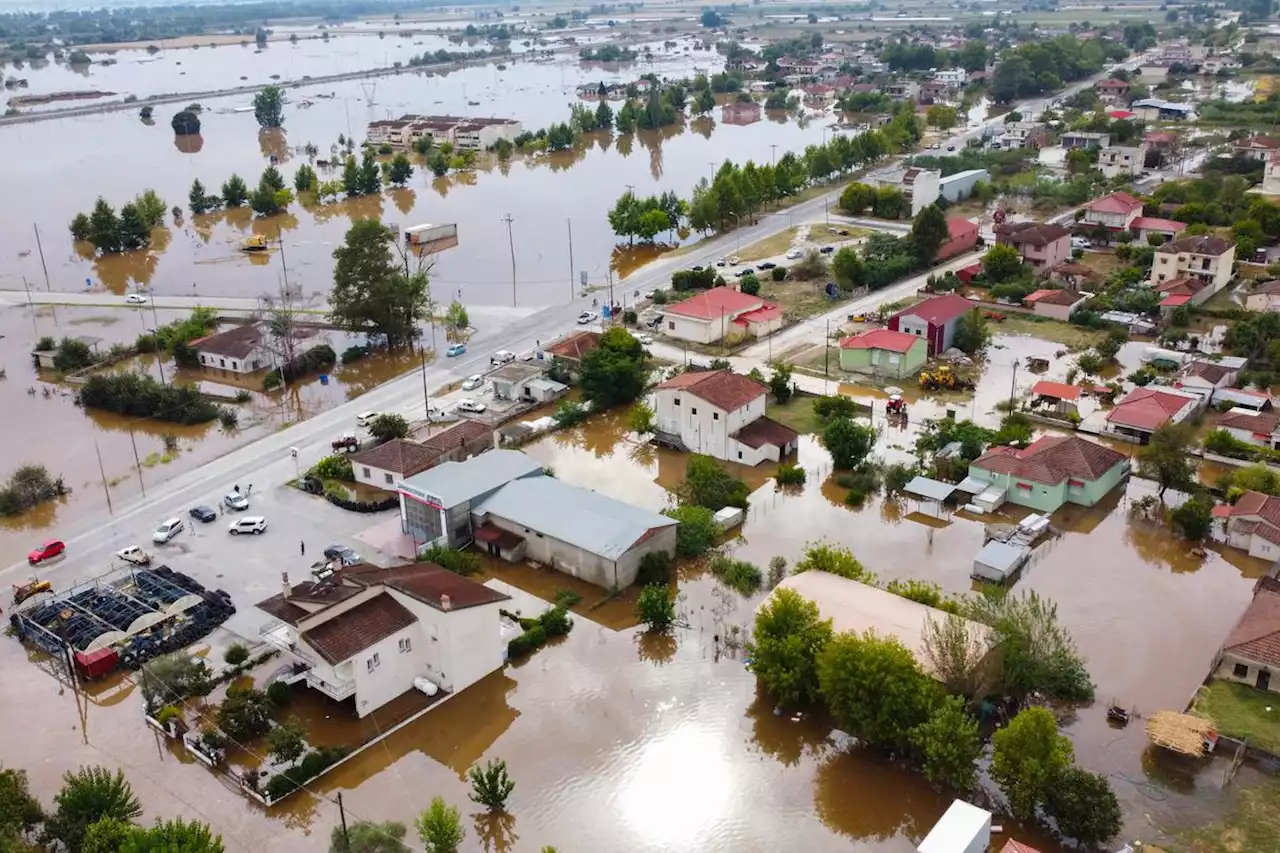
column 239, row 350
column 1206, row 378
column 1122, row 160
column 371, row 634
column 922, row 187
column 1115, row 212
column 1256, row 428
column 1207, row 259
column 1253, row 524
column 721, row 414
column 721, row 314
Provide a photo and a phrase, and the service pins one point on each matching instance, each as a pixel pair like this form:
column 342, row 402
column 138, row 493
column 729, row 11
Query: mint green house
column 884, row 353
column 1053, row 471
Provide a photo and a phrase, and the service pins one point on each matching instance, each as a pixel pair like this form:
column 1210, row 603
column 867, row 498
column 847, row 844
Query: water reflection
column 189, row 143
column 786, row 737
column 274, row 145
column 495, row 831
column 678, row 787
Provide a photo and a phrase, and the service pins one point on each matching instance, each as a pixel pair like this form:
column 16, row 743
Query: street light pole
column 512, row 244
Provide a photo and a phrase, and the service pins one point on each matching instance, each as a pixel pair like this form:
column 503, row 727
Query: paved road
column 99, row 299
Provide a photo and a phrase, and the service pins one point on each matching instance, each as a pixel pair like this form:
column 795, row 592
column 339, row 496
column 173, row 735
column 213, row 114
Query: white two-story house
column 1207, row 259
column 721, row 414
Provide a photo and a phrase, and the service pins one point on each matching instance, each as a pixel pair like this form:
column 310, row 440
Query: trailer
column 429, row 239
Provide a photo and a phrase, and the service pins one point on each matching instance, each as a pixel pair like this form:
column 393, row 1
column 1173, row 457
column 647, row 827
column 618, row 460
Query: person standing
column 303, row 548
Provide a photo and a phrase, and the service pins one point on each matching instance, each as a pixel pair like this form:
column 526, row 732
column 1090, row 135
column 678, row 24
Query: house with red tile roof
column 934, row 319
column 1115, row 212
column 1144, row 410
column 1256, row 147
column 722, row 414
column 1058, row 304
column 884, row 352
column 962, row 235
column 1112, row 89
column 1052, row 471
column 1012, row 846
column 367, row 634
column 1041, row 244
column 1251, row 652
column 1060, row 396
column 721, row 314
column 1258, row 428
column 1166, row 229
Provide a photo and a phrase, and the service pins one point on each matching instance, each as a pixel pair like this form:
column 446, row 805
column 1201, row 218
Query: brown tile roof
column 1209, row 371
column 283, row 609
column 939, row 310
column 458, row 435
column 427, row 583
column 1050, row 296
column 764, row 431
column 1184, row 286
column 1012, row 846
column 1267, row 288
column 575, row 346
column 1147, row 408
column 1052, row 459
column 1259, row 422
column 233, row 343
column 722, row 388
column 1203, row 244
column 1266, row 507
column 398, row 456
column 1032, row 233
column 355, row 630
column 1256, row 636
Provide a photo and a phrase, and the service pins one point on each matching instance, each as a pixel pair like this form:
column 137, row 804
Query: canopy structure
column 930, row 491
column 1184, row 733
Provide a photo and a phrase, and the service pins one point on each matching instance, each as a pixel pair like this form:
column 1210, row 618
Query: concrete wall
column 878, row 362
column 958, row 187
column 392, row 673
column 690, row 329
column 1047, row 498
column 1248, row 675
column 584, row 565
column 1216, row 269
column 377, row 477
column 703, row 427
column 256, row 360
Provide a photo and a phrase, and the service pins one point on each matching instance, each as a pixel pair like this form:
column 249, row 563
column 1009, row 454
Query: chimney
column 446, row 603
column 284, row 584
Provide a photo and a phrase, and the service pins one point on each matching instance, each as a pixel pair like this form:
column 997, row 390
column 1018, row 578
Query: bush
column 72, row 355
column 655, row 608
column 319, row 357
column 750, row 285
column 245, row 713
column 790, row 475
column 355, row 353
column 566, row 598
column 698, row 531
column 831, row 408
column 138, row 395
column 455, row 560
column 738, row 575
column 311, row 766
column 569, row 413
column 526, row 642
column 29, row 486
column 386, row 427
column 333, row 468
column 278, row 694
column 655, row 568
column 778, row 273
column 168, row 714
column 236, row 654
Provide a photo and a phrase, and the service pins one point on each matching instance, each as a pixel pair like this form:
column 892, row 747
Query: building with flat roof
column 467, row 134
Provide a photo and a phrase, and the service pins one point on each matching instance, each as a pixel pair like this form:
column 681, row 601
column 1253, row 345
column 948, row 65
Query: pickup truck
column 134, row 554
column 347, row 442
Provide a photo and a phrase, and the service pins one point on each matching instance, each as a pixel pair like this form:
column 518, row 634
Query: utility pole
column 40, row 248
column 137, row 462
column 571, row 266
column 1013, row 386
column 773, row 155
column 103, row 472
column 426, row 397
column 342, row 814
column 512, row 244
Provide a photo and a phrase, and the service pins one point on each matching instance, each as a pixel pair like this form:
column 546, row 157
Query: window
column 1240, row 671
column 675, row 401
column 671, row 326
column 739, row 454
column 373, row 662
column 366, row 471
column 406, row 645
column 715, row 416
column 694, row 410
column 389, row 479
column 222, row 362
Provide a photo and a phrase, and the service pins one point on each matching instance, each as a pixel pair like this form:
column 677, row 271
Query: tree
column 87, row 796
column 708, row 485
column 789, row 637
column 1001, row 263
column 874, row 688
column 1165, row 458
column 366, row 836
column 956, row 653
column 172, row 835
column 388, row 426
column 401, row 169
column 455, row 316
column 234, row 191
column 80, row 227
column 655, row 608
column 780, row 382
column 641, row 418
column 1036, row 652
column 1193, row 519
column 930, row 231
column 712, row 19
column 185, row 123
column 705, row 102
column 972, row 334
column 949, row 745
column 268, row 107
column 439, row 827
column 104, row 227
column 491, row 786
column 20, row 812
column 848, row 442
column 856, row 198
column 942, row 117
column 107, row 836
column 286, row 742
column 372, row 293
column 847, row 269
column 698, row 531
column 615, row 372
column 134, row 233
column 1028, row 756
column 199, row 200
column 151, row 208
column 1084, row 807
column 245, row 713
column 604, row 116
column 305, row 180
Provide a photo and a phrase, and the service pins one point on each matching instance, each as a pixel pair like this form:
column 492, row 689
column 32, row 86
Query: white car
column 471, row 383
column 365, row 418
column 502, row 357
column 721, row 261
column 794, row 254
column 134, row 554
column 136, row 299
column 1081, row 243
column 249, row 524
column 644, row 339
column 470, row 406
column 734, row 261
column 167, row 530
column 236, row 501
column 587, row 317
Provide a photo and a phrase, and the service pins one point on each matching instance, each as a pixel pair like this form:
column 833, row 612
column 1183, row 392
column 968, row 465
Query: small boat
column 254, row 243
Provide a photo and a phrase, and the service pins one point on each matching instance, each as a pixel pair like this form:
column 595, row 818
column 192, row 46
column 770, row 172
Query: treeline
column 138, row 395
column 443, row 57
column 1044, row 66
column 364, row 177
column 664, row 105
column 646, row 218
column 110, row 232
column 902, row 56
column 607, row 53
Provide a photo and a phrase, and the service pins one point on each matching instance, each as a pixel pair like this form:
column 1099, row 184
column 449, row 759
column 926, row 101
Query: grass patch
column 1075, row 337
column 1103, row 263
column 797, row 413
column 800, row 299
column 1252, row 824
column 1240, row 711
column 821, row 234
column 774, row 244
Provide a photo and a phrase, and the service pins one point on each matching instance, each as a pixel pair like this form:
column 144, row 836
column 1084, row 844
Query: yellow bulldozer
column 943, row 379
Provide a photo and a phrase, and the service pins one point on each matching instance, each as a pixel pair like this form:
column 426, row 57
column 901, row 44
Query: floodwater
column 541, row 194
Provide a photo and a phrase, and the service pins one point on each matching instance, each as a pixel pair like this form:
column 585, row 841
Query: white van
column 366, row 418
column 249, row 524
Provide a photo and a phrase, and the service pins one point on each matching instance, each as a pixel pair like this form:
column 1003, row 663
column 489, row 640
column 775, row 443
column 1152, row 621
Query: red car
column 52, row 548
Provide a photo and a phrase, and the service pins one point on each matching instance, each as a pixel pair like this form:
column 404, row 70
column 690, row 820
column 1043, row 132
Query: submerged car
column 47, row 550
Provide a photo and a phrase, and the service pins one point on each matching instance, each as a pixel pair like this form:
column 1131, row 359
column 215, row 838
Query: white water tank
column 425, row 685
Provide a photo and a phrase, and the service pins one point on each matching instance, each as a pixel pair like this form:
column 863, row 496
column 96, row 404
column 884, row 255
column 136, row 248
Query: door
column 1264, row 680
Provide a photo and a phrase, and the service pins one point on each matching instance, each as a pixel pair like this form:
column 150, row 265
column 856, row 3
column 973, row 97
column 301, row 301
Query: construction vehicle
column 254, row 243
column 21, row 592
column 944, row 379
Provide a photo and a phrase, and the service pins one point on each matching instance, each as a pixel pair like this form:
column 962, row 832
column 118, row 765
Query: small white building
column 370, row 634
column 1261, row 429
column 239, row 350
column 922, row 187
column 1271, row 174
column 525, row 383
column 721, row 414
column 959, row 186
column 963, row 828
column 1121, row 160
column 1252, row 524
column 721, row 314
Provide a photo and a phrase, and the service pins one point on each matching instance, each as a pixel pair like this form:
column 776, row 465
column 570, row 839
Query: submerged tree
column 373, row 292
column 88, row 795
column 440, row 827
column 268, row 107
column 491, row 786
column 789, row 636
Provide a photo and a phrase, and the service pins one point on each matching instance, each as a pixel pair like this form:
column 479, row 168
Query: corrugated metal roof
column 934, row 490
column 580, row 517
column 1000, row 556
column 455, row 482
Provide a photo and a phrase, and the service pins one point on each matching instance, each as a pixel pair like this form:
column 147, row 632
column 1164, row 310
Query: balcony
column 331, row 684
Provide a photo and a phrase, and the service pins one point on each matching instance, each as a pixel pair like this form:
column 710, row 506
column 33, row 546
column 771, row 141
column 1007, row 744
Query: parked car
column 254, row 524
column 1081, row 243
column 586, row 317
column 795, row 255
column 697, row 268
column 136, row 299
column 767, row 265
column 644, row 339
column 235, row 501
column 167, row 530
column 134, row 554
column 734, row 261
column 826, row 250
column 721, row 262
column 346, row 555
column 744, row 271
column 472, row 382
column 502, row 356
column 47, row 550
column 470, row 406
column 365, row 418
column 203, row 513
column 455, row 350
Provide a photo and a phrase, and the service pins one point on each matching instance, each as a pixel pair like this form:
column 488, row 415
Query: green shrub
column 236, row 654
column 655, row 608
column 790, row 475
column 738, row 575
column 336, row 467
column 555, row 622
column 566, row 598
column 778, row 273
column 655, row 568
column 455, row 560
column 168, row 714
column 72, row 355
column 315, row 763
column 697, row 532
column 526, row 642
column 355, row 353
column 316, row 358
column 278, row 693
column 139, row 395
